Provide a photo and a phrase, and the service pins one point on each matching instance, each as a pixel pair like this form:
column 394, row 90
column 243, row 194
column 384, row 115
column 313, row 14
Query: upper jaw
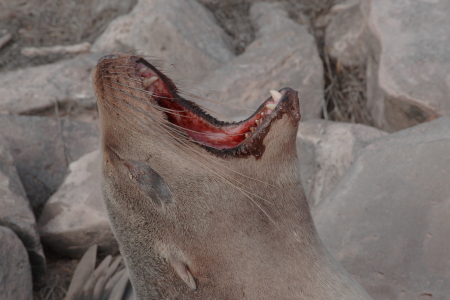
column 223, row 139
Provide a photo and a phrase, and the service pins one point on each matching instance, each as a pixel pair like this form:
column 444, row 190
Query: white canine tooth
column 142, row 70
column 247, row 135
column 275, row 95
column 252, row 129
column 257, row 121
column 271, row 106
column 149, row 81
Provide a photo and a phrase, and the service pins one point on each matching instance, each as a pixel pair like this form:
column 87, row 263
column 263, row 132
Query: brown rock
column 42, row 149
column 183, row 33
column 16, row 213
column 15, row 271
column 346, row 36
column 284, row 54
column 75, row 216
column 101, row 6
column 39, row 88
column 387, row 220
column 326, row 150
column 407, row 77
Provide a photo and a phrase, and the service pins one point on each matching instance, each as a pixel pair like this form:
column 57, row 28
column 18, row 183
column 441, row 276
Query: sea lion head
column 201, row 208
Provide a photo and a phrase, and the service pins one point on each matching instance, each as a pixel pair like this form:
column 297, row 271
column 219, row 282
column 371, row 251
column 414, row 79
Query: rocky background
column 374, row 140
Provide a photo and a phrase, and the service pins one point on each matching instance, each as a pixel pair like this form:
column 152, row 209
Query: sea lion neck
column 205, row 209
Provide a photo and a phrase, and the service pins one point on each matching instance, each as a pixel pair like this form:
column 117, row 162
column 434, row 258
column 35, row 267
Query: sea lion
column 205, row 209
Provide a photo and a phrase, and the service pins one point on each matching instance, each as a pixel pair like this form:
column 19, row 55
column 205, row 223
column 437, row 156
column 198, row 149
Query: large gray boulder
column 42, row 149
column 183, row 33
column 326, row 150
column 35, row 89
column 284, row 54
column 408, row 70
column 75, row 217
column 387, row 221
column 15, row 270
column 16, row 213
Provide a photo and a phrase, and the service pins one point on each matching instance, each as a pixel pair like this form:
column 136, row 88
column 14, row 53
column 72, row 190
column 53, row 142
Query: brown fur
column 240, row 225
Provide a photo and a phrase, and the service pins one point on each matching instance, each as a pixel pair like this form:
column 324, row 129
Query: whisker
column 173, row 137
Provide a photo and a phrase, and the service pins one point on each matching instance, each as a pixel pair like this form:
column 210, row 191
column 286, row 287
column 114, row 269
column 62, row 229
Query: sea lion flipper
column 183, row 271
column 101, row 282
column 85, row 267
column 112, row 283
column 120, row 288
column 88, row 288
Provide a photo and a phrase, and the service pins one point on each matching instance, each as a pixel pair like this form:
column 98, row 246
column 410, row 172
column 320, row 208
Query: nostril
column 109, row 56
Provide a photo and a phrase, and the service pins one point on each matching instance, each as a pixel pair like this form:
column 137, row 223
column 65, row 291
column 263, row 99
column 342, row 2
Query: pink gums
column 198, row 128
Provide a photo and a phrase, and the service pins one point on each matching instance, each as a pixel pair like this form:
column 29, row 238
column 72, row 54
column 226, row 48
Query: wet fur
column 241, row 226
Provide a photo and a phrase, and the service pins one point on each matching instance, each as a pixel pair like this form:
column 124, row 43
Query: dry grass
column 59, row 274
column 345, row 93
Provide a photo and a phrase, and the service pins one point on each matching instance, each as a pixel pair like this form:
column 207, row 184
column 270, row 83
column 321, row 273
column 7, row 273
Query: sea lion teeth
column 257, row 121
column 149, row 81
column 142, row 70
column 275, row 95
column 262, row 114
column 247, row 135
column 271, row 106
column 252, row 129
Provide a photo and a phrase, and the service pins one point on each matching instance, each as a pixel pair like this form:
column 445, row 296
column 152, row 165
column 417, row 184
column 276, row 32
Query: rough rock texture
column 387, row 221
column 15, row 271
column 75, row 216
column 407, row 77
column 284, row 54
column 16, row 213
column 42, row 149
column 326, row 150
column 121, row 6
column 346, row 37
column 183, row 33
column 39, row 88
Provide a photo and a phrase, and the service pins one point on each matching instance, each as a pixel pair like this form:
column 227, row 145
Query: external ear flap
column 182, row 270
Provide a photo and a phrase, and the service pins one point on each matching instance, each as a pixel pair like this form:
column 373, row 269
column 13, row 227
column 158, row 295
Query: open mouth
column 221, row 138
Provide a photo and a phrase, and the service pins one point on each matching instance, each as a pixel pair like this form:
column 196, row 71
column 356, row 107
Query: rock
column 42, row 149
column 284, row 54
column 346, row 36
column 407, row 76
column 75, row 217
column 16, row 213
column 39, row 88
column 326, row 150
column 183, row 33
column 121, row 6
column 15, row 270
column 387, row 220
